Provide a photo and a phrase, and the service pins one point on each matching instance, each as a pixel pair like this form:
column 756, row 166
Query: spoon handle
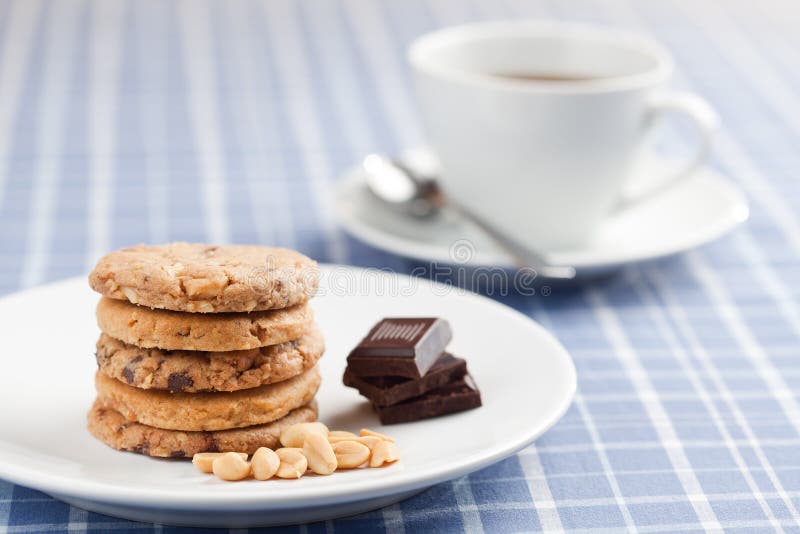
column 522, row 256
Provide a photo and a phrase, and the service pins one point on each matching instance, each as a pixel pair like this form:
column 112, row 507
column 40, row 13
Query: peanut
column 130, row 294
column 319, row 454
column 335, row 437
column 203, row 460
column 230, row 466
column 350, row 454
column 293, row 463
column 369, row 441
column 295, row 435
column 384, row 452
column 173, row 270
column 368, row 432
column 265, row 463
column 204, row 287
column 204, row 307
column 339, row 435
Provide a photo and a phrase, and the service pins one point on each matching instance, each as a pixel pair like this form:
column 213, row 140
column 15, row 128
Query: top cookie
column 192, row 277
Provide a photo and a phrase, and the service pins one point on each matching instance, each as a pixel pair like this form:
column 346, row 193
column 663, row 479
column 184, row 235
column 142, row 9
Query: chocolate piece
column 177, row 382
column 405, row 347
column 456, row 397
column 388, row 390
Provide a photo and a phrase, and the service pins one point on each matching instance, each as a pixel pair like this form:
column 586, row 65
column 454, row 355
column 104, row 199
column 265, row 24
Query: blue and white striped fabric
column 143, row 121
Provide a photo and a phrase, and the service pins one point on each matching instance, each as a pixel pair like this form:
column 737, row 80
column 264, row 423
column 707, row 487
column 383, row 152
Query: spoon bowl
column 412, row 193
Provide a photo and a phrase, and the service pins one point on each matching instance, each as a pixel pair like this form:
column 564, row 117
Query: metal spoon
column 418, row 195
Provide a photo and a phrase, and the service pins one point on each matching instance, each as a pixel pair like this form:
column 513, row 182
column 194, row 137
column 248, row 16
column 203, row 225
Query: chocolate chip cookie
column 208, row 411
column 195, row 371
column 198, row 278
column 113, row 429
column 146, row 327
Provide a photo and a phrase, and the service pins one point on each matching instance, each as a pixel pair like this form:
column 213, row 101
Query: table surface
column 127, row 122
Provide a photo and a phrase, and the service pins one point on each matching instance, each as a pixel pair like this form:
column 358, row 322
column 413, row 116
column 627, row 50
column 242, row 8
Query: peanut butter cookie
column 208, row 411
column 111, row 427
column 170, row 330
column 194, row 371
column 198, row 278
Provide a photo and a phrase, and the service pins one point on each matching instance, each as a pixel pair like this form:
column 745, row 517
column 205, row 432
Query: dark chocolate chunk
column 455, row 397
column 405, row 347
column 127, row 372
column 388, row 390
column 177, row 382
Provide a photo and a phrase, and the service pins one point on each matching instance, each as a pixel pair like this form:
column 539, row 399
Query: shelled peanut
column 306, row 446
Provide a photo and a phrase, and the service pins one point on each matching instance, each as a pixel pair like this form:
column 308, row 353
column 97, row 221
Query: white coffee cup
column 544, row 160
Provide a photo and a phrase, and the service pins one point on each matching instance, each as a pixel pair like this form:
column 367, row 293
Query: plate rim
column 368, row 234
column 94, row 491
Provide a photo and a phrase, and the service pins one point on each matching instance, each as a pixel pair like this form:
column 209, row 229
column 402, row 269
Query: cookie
column 193, row 371
column 111, row 427
column 208, row 411
column 146, row 327
column 197, row 278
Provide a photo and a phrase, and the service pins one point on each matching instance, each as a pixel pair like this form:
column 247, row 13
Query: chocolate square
column 405, row 347
column 455, row 397
column 388, row 390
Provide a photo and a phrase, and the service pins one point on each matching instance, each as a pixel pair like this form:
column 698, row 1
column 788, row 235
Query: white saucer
column 526, row 378
column 697, row 210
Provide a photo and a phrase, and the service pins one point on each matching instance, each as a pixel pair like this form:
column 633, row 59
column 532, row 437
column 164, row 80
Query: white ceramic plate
column 526, row 378
column 695, row 211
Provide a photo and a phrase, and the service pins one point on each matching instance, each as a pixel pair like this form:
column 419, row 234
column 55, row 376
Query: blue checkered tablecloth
column 143, row 121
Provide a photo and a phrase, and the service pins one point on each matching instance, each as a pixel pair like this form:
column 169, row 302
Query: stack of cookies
column 204, row 348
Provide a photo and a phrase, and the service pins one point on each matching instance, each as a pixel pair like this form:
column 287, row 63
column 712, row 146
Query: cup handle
column 705, row 120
